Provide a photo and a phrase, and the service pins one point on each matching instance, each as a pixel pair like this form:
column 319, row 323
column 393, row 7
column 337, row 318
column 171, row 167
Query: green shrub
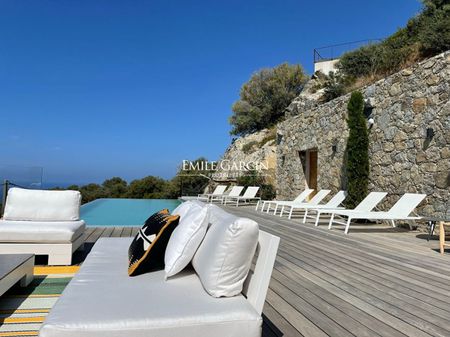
column 357, row 164
column 271, row 136
column 434, row 31
column 334, row 86
column 248, row 148
column 253, row 178
column 264, row 98
column 425, row 35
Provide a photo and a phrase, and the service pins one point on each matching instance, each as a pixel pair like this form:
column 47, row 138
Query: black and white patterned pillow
column 146, row 252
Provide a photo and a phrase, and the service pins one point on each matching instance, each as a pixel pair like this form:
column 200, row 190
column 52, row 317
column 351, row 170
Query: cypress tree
column 357, row 151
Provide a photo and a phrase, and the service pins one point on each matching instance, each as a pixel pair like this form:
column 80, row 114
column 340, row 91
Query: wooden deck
column 374, row 282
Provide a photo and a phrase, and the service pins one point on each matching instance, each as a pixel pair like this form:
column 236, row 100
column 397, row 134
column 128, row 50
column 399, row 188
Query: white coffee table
column 15, row 268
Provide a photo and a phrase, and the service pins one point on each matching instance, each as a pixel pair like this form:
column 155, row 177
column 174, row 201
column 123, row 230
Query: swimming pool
column 123, row 212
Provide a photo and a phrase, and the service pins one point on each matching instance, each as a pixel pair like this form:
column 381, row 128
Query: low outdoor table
column 15, row 268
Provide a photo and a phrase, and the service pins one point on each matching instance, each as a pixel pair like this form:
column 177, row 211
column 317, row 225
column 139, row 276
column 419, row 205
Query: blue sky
column 93, row 89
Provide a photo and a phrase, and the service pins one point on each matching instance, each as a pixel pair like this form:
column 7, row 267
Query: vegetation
column 357, row 151
column 248, row 148
column 269, row 137
column 264, row 98
column 187, row 182
column 425, row 35
column 253, row 178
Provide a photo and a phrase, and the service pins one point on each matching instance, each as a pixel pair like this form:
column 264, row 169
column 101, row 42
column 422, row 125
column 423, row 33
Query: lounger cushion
column 146, row 252
column 40, row 232
column 102, row 301
column 185, row 239
column 39, row 205
column 224, row 257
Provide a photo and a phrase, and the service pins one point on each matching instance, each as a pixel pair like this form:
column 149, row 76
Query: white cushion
column 224, row 257
column 184, row 207
column 39, row 205
column 40, row 232
column 103, row 301
column 185, row 239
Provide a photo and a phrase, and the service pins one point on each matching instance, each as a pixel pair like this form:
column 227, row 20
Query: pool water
column 123, row 212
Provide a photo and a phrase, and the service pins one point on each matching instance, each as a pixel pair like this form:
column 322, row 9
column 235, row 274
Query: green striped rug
column 22, row 310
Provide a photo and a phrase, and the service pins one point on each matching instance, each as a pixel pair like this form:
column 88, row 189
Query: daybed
column 103, row 301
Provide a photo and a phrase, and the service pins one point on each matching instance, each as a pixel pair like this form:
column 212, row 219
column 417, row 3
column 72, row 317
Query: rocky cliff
column 256, row 150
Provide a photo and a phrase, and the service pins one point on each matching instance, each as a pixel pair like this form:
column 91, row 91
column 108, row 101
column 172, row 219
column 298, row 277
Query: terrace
column 369, row 283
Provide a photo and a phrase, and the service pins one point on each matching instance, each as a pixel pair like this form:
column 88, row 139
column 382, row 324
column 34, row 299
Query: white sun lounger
column 333, row 203
column 400, row 211
column 234, row 192
column 315, row 201
column 249, row 195
column 219, row 190
column 366, row 205
column 300, row 198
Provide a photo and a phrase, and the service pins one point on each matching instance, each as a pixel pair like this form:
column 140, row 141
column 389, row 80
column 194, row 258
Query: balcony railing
column 334, row 51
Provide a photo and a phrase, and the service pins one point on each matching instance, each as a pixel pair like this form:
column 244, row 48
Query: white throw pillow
column 184, row 207
column 185, row 239
column 223, row 259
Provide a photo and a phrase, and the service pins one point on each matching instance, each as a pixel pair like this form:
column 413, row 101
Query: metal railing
column 334, row 51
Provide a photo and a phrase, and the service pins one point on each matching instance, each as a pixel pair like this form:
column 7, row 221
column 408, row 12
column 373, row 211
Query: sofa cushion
column 40, row 232
column 39, row 205
column 185, row 239
column 102, row 301
column 223, row 259
column 146, row 252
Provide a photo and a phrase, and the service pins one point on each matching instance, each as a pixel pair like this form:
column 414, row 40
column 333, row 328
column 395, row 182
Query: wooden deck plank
column 340, row 267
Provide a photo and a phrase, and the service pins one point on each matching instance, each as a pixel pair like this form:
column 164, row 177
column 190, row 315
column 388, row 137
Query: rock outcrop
column 256, row 150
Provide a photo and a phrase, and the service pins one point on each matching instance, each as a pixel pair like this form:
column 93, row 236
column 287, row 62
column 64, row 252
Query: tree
column 433, row 27
column 264, row 98
column 116, row 187
column 357, row 151
column 189, row 181
column 148, row 188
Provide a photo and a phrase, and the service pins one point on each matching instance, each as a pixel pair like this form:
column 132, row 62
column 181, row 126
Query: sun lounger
column 366, row 205
column 300, row 198
column 400, row 211
column 313, row 202
column 42, row 223
column 219, row 190
column 234, row 192
column 249, row 195
column 333, row 203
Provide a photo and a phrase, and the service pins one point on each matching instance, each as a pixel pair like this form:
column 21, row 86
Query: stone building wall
column 402, row 159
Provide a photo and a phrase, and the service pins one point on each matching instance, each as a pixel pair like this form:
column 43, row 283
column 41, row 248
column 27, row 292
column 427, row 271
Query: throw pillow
column 185, row 239
column 146, row 252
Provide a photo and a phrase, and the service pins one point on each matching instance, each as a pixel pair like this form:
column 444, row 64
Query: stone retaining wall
column 402, row 158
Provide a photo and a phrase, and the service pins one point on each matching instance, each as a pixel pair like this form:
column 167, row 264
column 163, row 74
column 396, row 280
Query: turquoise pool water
column 123, row 212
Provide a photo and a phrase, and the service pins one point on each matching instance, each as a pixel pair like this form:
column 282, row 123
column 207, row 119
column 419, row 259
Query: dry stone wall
column 409, row 141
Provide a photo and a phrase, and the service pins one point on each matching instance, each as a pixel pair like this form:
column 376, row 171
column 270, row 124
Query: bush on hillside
column 253, row 178
column 264, row 98
column 357, row 164
column 425, row 35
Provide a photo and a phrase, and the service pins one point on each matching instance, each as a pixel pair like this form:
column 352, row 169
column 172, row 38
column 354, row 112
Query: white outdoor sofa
column 42, row 223
column 103, row 301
